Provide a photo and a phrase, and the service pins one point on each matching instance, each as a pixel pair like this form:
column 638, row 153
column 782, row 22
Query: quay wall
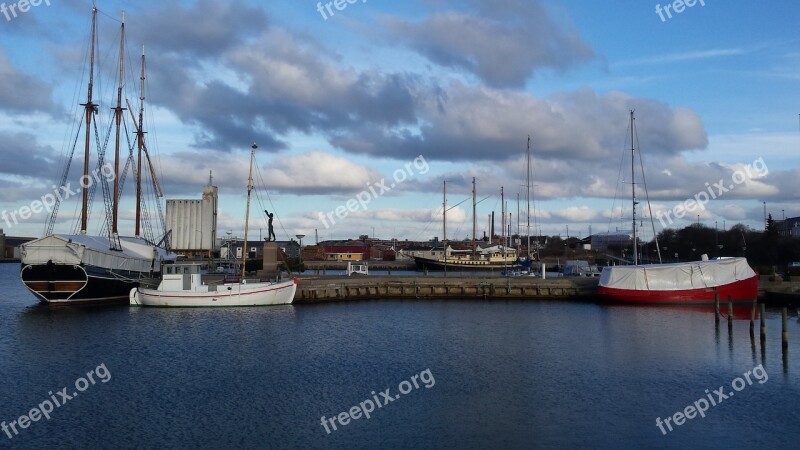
column 315, row 290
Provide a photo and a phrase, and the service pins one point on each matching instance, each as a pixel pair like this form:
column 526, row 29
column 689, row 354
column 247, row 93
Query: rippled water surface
column 510, row 374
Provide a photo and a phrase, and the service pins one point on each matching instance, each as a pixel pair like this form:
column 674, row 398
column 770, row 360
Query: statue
column 271, row 235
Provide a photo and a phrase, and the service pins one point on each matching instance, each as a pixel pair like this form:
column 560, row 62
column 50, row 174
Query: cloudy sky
column 381, row 101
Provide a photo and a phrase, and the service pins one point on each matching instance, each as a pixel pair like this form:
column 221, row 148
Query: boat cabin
column 180, row 277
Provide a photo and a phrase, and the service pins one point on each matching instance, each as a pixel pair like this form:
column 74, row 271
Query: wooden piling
column 763, row 323
column 730, row 318
column 730, row 309
column 785, row 328
column 753, row 318
column 716, row 308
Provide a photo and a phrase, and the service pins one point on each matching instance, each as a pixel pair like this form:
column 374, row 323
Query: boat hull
column 254, row 294
column 741, row 291
column 82, row 269
column 68, row 284
column 437, row 265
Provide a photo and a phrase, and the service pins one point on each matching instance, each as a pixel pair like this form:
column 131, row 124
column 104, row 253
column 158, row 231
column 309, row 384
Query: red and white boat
column 694, row 282
column 182, row 286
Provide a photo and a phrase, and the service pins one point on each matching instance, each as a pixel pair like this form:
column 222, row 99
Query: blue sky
column 338, row 104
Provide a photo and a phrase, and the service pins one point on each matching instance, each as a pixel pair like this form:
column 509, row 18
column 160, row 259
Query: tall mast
column 444, row 215
column 247, row 214
column 633, row 191
column 503, row 220
column 140, row 146
column 528, row 190
column 474, row 218
column 118, row 117
column 90, row 108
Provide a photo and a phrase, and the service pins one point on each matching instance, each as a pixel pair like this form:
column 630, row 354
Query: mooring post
column 753, row 318
column 730, row 309
column 763, row 323
column 784, row 326
column 716, row 308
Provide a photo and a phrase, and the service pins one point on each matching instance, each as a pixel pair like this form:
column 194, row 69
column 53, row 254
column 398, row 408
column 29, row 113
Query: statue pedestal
column 270, row 260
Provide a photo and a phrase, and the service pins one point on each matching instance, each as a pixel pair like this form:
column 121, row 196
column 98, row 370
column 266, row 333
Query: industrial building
column 194, row 223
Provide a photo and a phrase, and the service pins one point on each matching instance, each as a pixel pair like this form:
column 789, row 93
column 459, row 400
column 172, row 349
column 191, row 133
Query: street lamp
column 300, row 238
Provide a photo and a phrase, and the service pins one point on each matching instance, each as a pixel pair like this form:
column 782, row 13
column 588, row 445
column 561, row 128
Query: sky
column 361, row 113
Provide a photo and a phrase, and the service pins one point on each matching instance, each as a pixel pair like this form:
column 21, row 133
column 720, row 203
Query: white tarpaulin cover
column 677, row 276
column 136, row 254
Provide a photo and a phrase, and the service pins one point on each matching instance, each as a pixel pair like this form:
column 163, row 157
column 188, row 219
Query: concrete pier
column 314, row 290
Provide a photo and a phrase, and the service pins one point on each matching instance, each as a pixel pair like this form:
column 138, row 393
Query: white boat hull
column 247, row 294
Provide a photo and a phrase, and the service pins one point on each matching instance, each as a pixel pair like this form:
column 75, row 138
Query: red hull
column 743, row 291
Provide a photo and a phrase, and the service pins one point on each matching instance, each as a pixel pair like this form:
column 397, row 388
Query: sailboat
column 495, row 257
column 182, row 284
column 81, row 268
column 694, row 282
column 524, row 266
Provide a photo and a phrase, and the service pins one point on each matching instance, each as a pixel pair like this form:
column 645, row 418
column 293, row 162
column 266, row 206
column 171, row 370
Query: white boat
column 182, row 286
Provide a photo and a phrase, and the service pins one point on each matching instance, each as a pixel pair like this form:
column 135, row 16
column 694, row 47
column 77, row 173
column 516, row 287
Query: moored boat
column 685, row 282
column 681, row 283
column 182, row 286
column 81, row 268
column 72, row 269
column 498, row 256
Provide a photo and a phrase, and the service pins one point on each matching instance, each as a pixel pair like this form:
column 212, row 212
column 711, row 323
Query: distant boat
column 81, row 268
column 182, row 284
column 497, row 257
column 683, row 282
column 484, row 259
column 580, row 268
column 523, row 267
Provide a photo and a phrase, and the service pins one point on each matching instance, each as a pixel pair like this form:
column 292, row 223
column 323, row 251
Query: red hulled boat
column 694, row 282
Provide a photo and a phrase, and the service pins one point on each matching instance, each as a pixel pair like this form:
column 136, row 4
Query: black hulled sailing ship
column 82, row 268
column 495, row 257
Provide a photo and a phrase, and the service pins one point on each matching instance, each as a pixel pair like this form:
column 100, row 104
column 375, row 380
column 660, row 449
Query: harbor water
column 460, row 374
